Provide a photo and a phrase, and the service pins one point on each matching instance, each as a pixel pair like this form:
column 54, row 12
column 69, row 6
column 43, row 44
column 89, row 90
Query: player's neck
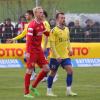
column 61, row 26
column 38, row 20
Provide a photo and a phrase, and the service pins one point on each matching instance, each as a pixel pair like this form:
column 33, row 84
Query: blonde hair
column 36, row 9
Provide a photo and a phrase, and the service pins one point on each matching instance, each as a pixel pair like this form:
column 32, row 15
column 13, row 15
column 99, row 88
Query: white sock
column 33, row 76
column 68, row 89
column 49, row 89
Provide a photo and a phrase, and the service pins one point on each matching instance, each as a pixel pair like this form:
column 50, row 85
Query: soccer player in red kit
column 34, row 52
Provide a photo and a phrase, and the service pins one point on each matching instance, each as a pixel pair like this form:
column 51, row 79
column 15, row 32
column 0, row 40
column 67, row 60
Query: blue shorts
column 47, row 52
column 54, row 64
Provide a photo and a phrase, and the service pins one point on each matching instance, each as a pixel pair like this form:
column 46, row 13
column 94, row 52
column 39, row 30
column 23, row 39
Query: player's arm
column 52, row 43
column 46, row 33
column 29, row 39
column 21, row 35
column 45, row 42
column 69, row 45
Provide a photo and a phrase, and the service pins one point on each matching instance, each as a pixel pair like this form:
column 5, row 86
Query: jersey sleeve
column 45, row 39
column 29, row 36
column 46, row 33
column 52, row 43
column 47, row 25
column 46, row 29
column 21, row 35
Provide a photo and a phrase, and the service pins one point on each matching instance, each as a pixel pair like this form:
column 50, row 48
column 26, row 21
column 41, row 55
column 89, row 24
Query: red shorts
column 36, row 58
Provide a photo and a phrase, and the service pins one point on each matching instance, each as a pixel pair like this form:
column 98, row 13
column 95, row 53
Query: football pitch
column 86, row 84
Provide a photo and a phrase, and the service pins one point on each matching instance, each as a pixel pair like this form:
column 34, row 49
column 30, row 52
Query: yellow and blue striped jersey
column 59, row 42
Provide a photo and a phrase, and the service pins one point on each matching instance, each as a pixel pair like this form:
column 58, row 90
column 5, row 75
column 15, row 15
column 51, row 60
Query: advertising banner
column 15, row 50
column 84, row 54
column 11, row 63
column 86, row 62
column 86, row 50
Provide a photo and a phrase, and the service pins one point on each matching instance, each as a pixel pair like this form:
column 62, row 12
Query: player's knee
column 69, row 69
column 46, row 68
column 52, row 73
column 29, row 70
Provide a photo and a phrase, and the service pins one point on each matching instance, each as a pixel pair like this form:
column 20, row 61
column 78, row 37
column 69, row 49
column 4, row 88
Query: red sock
column 40, row 76
column 27, row 82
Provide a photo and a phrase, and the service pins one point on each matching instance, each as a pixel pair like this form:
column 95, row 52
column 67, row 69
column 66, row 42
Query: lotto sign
column 86, row 50
column 80, row 50
column 12, row 50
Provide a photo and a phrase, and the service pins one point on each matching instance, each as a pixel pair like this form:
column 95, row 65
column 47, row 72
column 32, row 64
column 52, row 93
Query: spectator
column 7, row 30
column 52, row 23
column 20, row 27
column 77, row 32
column 88, row 30
column 1, row 33
column 96, row 32
column 70, row 26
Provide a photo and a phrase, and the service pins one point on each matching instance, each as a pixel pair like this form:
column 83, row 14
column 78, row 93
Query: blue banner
column 95, row 62
column 11, row 63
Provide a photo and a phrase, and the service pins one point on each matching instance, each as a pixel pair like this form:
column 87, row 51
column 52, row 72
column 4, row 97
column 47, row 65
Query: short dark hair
column 8, row 19
column 30, row 12
column 45, row 13
column 59, row 13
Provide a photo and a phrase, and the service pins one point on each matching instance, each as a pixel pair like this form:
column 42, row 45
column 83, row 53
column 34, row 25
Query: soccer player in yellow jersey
column 46, row 43
column 45, row 39
column 29, row 16
column 61, row 49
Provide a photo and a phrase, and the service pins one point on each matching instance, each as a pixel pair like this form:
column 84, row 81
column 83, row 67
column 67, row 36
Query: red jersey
column 34, row 35
column 21, row 27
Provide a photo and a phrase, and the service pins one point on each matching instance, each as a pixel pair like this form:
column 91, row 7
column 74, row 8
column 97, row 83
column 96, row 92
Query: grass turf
column 86, row 84
column 15, row 8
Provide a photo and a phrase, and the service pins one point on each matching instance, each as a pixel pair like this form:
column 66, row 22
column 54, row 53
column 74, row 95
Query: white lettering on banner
column 86, row 62
column 10, row 63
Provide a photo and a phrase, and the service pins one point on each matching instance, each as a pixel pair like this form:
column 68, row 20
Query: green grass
column 15, row 8
column 86, row 84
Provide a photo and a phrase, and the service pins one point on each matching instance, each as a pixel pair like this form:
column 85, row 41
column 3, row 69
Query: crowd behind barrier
column 88, row 33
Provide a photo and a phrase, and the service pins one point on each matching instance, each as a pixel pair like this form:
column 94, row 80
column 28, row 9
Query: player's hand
column 27, row 55
column 70, row 52
column 9, row 41
column 59, row 59
column 44, row 50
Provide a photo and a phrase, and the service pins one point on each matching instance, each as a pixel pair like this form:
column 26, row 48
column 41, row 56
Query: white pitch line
column 89, row 86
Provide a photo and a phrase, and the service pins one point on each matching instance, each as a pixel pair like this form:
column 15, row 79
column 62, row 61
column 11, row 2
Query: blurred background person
column 96, row 32
column 1, row 30
column 7, row 30
column 88, row 30
column 52, row 23
column 20, row 27
column 77, row 32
